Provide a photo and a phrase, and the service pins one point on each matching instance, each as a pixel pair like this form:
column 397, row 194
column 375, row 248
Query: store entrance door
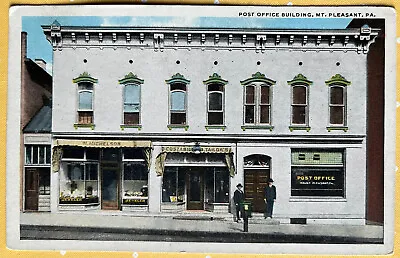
column 110, row 188
column 195, row 189
column 31, row 189
column 255, row 181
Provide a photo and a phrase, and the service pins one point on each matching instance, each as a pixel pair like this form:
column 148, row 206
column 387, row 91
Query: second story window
column 178, row 100
column 215, row 99
column 131, row 99
column 257, row 100
column 300, row 102
column 85, row 99
column 337, row 100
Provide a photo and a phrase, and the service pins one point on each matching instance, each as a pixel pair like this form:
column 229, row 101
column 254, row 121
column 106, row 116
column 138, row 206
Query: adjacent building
column 156, row 120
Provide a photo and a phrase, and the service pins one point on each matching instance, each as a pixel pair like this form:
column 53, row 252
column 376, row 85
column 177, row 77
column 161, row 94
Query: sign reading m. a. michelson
column 103, row 143
column 189, row 149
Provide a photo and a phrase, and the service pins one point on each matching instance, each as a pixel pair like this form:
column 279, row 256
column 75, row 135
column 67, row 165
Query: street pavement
column 199, row 227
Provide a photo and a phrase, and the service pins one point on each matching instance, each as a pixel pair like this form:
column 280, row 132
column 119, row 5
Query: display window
column 318, row 173
column 173, row 189
column 217, row 185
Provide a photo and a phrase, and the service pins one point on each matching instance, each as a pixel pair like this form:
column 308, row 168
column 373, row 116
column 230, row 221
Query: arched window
column 131, row 104
column 177, row 100
column 85, row 99
column 337, row 102
column 300, row 103
column 215, row 99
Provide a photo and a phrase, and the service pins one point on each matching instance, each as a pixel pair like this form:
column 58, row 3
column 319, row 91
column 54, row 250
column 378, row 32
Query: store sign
column 134, row 201
column 189, row 149
column 317, row 181
column 104, row 143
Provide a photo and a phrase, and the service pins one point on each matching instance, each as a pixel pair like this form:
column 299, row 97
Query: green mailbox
column 247, row 207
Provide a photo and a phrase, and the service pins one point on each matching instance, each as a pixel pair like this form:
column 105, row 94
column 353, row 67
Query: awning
column 103, row 143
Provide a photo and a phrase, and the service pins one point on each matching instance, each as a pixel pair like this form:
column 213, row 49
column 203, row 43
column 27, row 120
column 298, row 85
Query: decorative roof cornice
column 84, row 77
column 131, row 78
column 299, row 79
column 177, row 78
column 215, row 78
column 259, row 40
column 258, row 77
column 337, row 79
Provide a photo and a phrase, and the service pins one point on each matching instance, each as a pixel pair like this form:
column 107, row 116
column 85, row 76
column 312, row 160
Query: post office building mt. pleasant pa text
column 166, row 120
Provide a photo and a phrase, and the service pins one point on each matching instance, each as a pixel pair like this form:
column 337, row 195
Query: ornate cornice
column 258, row 77
column 258, row 40
column 131, row 78
column 215, row 78
column 299, row 79
column 337, row 79
column 84, row 77
column 177, row 78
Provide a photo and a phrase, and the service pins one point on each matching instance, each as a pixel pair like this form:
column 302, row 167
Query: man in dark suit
column 238, row 197
column 270, row 198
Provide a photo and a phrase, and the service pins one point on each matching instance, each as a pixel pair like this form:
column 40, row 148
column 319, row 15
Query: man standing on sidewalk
column 238, row 197
column 270, row 198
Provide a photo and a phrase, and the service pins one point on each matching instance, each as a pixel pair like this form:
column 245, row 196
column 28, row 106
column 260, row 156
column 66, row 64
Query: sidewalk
column 185, row 224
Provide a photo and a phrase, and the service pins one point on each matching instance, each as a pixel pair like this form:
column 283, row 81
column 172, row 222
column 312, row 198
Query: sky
column 40, row 48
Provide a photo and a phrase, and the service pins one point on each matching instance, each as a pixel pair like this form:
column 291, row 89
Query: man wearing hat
column 238, row 197
column 270, row 198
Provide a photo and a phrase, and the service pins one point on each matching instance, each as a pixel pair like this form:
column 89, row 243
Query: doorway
column 195, row 189
column 37, row 185
column 110, row 188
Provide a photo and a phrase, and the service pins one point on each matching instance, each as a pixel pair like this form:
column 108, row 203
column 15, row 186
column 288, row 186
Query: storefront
column 102, row 174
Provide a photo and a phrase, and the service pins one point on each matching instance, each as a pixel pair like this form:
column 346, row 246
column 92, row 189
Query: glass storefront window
column 135, row 181
column 79, row 183
column 217, row 185
column 173, row 189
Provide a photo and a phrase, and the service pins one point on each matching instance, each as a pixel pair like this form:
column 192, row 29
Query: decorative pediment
column 258, row 77
column 337, row 79
column 215, row 78
column 131, row 78
column 84, row 77
column 177, row 78
column 300, row 79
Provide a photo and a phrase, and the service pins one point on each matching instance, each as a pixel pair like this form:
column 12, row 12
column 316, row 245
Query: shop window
column 173, row 189
column 318, row 173
column 178, row 104
column 79, row 183
column 217, row 185
column 44, row 182
column 132, row 104
column 37, row 154
column 135, row 179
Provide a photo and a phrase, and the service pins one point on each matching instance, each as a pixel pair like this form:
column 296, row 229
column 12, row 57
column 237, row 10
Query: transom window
column 37, row 154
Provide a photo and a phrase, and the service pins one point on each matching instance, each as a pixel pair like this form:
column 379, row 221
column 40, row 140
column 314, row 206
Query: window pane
column 249, row 115
column 169, row 185
column 131, row 118
column 221, row 186
column 336, row 115
column 41, row 154
column 131, row 107
column 92, row 154
column 28, row 154
column 48, row 155
column 264, row 94
column 73, row 153
column 85, row 117
column 85, row 100
column 35, row 155
column 215, row 87
column 178, row 86
column 299, row 115
column 178, row 101
column 249, row 95
column 215, row 118
column 337, row 95
column 299, row 95
column 91, row 172
column 178, row 118
column 264, row 114
column 215, row 101
column 75, row 172
column 132, row 94
column 133, row 153
column 85, row 86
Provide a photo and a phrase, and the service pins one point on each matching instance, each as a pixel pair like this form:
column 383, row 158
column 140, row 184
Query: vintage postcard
column 218, row 129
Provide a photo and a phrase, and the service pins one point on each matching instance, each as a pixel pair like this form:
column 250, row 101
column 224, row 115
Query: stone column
column 155, row 184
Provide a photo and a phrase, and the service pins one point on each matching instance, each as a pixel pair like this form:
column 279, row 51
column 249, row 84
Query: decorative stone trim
column 215, row 78
column 257, row 127
column 91, row 126
column 170, row 127
column 258, row 77
column 84, row 77
column 177, row 78
column 337, row 79
column 304, row 128
column 299, row 79
column 337, row 128
column 131, row 78
column 138, row 127
column 222, row 127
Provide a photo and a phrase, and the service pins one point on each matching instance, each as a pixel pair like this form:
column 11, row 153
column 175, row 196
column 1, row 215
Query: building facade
column 172, row 119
